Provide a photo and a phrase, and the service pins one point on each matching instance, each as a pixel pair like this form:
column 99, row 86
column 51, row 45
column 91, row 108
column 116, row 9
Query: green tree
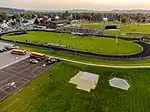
column 124, row 20
column 3, row 16
column 27, row 15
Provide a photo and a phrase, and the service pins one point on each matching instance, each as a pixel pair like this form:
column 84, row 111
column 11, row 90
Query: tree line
column 124, row 18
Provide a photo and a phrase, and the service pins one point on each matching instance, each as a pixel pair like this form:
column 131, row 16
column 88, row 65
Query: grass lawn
column 144, row 28
column 51, row 92
column 136, row 35
column 98, row 25
column 145, row 62
column 98, row 45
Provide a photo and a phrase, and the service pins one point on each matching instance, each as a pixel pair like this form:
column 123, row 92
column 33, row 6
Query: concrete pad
column 119, row 83
column 85, row 81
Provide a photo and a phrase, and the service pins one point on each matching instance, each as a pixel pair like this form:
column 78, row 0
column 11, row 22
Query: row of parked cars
column 37, row 57
column 8, row 47
column 48, row 61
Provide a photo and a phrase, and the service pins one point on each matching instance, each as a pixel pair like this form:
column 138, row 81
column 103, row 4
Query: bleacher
column 79, row 31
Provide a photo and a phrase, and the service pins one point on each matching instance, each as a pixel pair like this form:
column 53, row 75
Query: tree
column 3, row 16
column 27, row 15
column 124, row 20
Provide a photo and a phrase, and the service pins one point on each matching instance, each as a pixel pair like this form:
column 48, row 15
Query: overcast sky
column 77, row 4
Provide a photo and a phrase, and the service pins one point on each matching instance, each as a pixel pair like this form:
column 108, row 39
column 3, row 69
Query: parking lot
column 15, row 76
column 6, row 58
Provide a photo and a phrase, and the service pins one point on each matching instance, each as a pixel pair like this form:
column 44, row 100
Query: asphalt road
column 7, row 58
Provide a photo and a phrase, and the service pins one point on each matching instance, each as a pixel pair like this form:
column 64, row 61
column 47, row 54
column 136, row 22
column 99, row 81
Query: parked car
column 15, row 47
column 49, row 63
column 33, row 61
column 39, row 59
column 1, row 50
column 51, row 60
column 5, row 50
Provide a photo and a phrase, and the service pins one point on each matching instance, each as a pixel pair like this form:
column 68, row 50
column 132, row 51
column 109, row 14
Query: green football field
column 51, row 92
column 98, row 45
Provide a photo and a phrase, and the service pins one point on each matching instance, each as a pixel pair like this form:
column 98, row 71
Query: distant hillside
column 80, row 10
column 11, row 10
column 14, row 10
column 130, row 11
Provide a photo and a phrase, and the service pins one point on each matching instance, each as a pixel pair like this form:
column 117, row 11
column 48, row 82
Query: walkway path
column 99, row 65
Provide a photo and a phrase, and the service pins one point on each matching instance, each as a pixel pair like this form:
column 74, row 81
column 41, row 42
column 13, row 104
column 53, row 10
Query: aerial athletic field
column 52, row 92
column 99, row 45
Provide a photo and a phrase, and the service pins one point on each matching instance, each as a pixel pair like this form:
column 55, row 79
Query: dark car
column 38, row 59
column 52, row 59
column 1, row 50
column 5, row 50
column 49, row 63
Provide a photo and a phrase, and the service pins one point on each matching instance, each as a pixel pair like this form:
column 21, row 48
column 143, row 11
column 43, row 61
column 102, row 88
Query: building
column 57, row 23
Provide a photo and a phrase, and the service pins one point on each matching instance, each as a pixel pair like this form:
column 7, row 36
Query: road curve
column 99, row 65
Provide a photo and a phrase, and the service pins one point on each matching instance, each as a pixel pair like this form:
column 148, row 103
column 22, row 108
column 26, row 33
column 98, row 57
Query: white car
column 33, row 61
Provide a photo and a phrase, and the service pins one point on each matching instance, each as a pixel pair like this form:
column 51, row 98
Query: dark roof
column 61, row 21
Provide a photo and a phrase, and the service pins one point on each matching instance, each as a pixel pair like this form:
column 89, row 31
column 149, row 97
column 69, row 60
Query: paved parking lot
column 7, row 58
column 17, row 75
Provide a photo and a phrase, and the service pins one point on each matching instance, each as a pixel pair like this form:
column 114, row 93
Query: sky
column 77, row 4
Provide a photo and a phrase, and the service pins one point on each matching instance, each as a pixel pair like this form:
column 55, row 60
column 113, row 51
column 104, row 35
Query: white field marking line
column 16, row 76
column 13, row 102
column 32, row 71
column 99, row 65
column 14, row 62
column 27, row 68
column 25, row 64
column 6, row 85
column 20, row 73
column 4, row 91
column 6, row 79
column 24, row 83
column 2, row 88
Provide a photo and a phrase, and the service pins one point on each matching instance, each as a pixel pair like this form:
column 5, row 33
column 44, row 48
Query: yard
column 52, row 92
column 99, row 45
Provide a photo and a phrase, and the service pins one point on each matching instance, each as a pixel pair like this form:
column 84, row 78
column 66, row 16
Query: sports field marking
column 14, row 75
column 32, row 71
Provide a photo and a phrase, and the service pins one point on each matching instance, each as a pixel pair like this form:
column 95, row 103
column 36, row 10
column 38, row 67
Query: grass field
column 145, row 62
column 98, row 45
column 51, row 92
column 99, row 25
column 143, row 28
